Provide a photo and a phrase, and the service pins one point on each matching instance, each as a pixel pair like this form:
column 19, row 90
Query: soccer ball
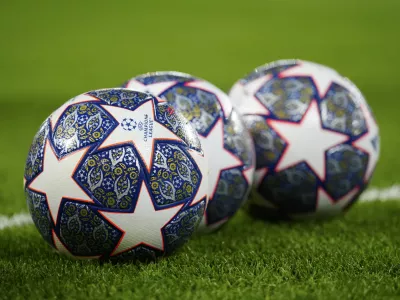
column 226, row 142
column 316, row 141
column 116, row 173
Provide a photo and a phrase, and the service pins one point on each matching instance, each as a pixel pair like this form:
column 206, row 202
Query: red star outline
column 269, row 121
column 124, row 232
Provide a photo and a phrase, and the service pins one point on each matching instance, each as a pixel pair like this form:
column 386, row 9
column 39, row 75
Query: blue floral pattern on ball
column 199, row 107
column 287, row 98
column 176, row 122
column 269, row 146
column 178, row 231
column 293, row 189
column 34, row 162
column 236, row 141
column 342, row 113
column 85, row 232
column 346, row 167
column 173, row 176
column 81, row 125
column 121, row 97
column 39, row 211
column 231, row 192
column 113, row 176
column 90, row 187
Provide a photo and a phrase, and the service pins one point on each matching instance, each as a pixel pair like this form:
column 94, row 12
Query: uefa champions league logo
column 140, row 126
column 129, row 124
column 146, row 126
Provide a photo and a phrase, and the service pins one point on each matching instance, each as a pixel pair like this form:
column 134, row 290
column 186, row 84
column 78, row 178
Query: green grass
column 354, row 257
column 52, row 51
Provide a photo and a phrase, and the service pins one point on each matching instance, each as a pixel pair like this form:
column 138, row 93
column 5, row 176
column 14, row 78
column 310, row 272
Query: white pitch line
column 15, row 220
column 370, row 195
column 381, row 194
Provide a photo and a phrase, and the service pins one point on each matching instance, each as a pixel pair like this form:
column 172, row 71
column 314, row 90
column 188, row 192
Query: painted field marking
column 15, row 220
column 370, row 195
column 381, row 194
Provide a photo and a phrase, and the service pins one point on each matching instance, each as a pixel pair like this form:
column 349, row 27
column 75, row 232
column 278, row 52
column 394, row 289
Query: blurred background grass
column 53, row 50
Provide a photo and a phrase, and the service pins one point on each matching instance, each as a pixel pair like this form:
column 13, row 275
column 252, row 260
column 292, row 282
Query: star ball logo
column 145, row 126
column 128, row 124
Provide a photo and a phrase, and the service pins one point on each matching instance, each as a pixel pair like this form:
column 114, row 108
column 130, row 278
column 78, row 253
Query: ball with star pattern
column 316, row 140
column 116, row 173
column 227, row 144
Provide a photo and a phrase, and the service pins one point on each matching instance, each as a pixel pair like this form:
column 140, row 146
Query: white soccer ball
column 118, row 174
column 226, row 142
column 316, row 140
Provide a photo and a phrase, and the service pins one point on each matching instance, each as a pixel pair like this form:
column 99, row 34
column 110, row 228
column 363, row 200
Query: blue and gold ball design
column 112, row 176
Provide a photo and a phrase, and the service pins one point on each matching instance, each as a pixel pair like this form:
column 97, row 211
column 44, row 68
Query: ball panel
column 293, row 190
column 174, row 177
column 178, row 124
column 269, row 146
column 199, row 107
column 231, row 193
column 121, row 97
column 180, row 229
column 85, row 232
column 238, row 140
column 341, row 112
column 81, row 125
column 346, row 167
column 39, row 211
column 139, row 253
column 34, row 161
column 287, row 98
column 112, row 176
column 268, row 69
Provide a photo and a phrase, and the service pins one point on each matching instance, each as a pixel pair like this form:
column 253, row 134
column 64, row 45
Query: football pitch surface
column 52, row 52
